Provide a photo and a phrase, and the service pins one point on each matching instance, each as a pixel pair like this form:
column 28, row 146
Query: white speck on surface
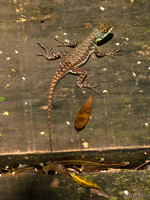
column 85, row 144
column 102, row 8
column 56, row 36
column 71, row 140
column 13, row 70
column 8, row 58
column 148, row 68
column 16, row 52
column 117, row 44
column 134, row 74
column 67, row 41
column 127, row 39
column 23, row 78
column 1, row 52
column 67, row 122
column 126, row 192
column 6, row 113
column 64, row 33
column 105, row 92
column 138, row 62
column 17, row 10
column 146, row 124
column 26, row 103
column 42, row 133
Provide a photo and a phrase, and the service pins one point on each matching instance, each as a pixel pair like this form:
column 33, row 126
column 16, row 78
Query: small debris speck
column 17, row 10
column 1, row 52
column 64, row 33
column 8, row 86
column 105, row 92
column 16, row 52
column 23, row 78
column 117, row 44
column 67, row 122
column 126, row 192
column 85, row 144
column 67, row 41
column 26, row 103
column 138, row 62
column 8, row 58
column 134, row 74
column 127, row 39
column 13, row 70
column 41, row 133
column 102, row 8
column 6, row 113
column 146, row 124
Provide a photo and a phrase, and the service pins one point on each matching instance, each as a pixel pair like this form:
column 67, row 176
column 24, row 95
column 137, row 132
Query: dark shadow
column 106, row 39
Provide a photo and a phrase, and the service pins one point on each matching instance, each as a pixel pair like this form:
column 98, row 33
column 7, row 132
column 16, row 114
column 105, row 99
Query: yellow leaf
column 84, row 182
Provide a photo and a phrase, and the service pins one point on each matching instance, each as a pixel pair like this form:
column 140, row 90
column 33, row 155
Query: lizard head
column 102, row 31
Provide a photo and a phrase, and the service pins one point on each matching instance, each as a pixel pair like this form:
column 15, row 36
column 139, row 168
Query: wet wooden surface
column 120, row 116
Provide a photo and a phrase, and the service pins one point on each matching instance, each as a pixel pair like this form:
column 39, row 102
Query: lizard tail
column 58, row 75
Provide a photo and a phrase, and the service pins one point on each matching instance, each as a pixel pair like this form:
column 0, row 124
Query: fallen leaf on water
column 99, row 192
column 84, row 182
column 83, row 115
column 56, row 168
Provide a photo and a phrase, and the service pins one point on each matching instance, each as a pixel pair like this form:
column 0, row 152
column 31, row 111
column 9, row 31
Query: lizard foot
column 90, row 85
column 49, row 53
column 113, row 53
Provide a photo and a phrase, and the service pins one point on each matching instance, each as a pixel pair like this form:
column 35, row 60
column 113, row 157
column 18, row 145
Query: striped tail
column 58, row 75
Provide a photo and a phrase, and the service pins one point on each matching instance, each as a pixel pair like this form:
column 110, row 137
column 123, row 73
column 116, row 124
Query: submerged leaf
column 56, row 168
column 99, row 192
column 84, row 182
column 83, row 115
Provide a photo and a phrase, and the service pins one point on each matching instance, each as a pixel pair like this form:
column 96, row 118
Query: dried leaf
column 84, row 182
column 83, row 115
column 56, row 168
column 102, row 166
column 143, row 166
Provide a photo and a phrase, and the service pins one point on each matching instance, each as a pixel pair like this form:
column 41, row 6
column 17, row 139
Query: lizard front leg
column 67, row 43
column 49, row 53
column 113, row 53
column 82, row 75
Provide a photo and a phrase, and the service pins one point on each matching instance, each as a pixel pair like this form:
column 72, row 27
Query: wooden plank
column 120, row 117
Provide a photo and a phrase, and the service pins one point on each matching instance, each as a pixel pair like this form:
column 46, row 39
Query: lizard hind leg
column 82, row 75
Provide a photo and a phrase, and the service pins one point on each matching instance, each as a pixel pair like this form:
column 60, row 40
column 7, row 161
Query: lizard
column 71, row 62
